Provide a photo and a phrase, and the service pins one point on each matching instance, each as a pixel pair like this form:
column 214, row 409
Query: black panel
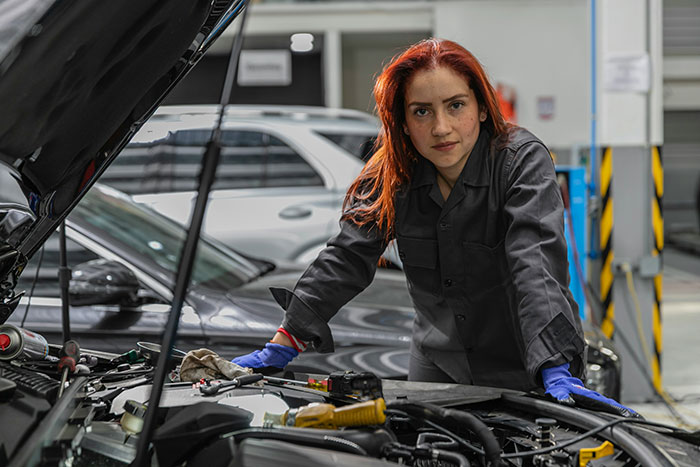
column 204, row 83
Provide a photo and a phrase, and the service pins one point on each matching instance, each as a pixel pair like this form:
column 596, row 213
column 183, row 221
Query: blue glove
column 273, row 355
column 559, row 384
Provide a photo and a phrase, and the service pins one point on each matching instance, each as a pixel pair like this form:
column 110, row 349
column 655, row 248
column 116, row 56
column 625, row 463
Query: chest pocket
column 485, row 267
column 420, row 262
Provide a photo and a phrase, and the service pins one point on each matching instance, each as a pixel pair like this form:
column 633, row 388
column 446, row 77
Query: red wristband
column 296, row 343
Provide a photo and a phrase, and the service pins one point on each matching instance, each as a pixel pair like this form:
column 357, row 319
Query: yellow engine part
column 330, row 416
column 588, row 454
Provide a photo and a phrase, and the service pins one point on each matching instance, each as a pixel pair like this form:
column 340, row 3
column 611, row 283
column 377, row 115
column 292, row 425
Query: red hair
column 371, row 195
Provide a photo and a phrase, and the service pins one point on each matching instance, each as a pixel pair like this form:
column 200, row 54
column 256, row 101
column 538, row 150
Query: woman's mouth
column 445, row 146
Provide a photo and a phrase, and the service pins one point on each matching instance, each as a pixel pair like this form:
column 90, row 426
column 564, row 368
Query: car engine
column 345, row 418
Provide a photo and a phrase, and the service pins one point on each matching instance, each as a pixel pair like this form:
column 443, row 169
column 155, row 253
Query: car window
column 285, row 167
column 360, row 146
column 151, row 239
column 249, row 159
column 47, row 260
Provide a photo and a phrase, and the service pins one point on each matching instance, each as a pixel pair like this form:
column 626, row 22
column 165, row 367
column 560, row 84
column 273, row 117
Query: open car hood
column 77, row 80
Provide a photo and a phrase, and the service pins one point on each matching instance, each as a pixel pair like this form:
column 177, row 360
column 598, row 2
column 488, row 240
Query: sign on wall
column 265, row 68
column 627, row 73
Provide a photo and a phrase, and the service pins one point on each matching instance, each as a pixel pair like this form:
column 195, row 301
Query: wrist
column 295, row 343
column 281, row 339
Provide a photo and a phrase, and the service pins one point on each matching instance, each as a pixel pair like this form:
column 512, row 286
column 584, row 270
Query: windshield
column 113, row 219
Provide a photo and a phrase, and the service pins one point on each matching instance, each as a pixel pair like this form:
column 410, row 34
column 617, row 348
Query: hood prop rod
column 64, row 276
column 187, row 256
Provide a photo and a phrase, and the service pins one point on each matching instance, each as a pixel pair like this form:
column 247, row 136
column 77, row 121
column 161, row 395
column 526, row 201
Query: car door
column 267, row 200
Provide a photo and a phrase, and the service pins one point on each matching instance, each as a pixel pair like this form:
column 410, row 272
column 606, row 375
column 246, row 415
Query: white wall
column 630, row 118
column 539, row 47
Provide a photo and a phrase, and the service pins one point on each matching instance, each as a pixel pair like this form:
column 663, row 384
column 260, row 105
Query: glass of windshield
column 114, row 219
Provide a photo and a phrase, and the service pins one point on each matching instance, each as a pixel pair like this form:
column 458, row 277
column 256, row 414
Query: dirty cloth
column 205, row 363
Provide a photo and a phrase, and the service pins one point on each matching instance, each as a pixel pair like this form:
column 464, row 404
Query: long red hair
column 370, row 198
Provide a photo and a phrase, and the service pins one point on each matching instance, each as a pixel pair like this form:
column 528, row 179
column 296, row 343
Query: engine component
column 452, row 417
column 16, row 342
column 189, row 429
column 328, row 416
column 364, row 385
column 585, row 455
column 210, row 389
column 132, row 419
column 544, row 426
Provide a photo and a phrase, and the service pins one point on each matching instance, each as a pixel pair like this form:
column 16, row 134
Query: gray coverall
column 487, row 269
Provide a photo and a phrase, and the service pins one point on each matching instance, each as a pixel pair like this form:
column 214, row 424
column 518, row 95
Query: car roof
column 318, row 118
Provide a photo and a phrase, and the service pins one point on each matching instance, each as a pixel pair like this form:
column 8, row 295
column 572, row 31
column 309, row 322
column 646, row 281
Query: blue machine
column 576, row 216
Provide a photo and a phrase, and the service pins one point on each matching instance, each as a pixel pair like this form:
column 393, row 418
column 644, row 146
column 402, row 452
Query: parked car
column 280, row 183
column 229, row 305
column 78, row 78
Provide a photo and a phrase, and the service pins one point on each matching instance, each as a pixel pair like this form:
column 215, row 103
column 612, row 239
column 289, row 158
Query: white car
column 281, row 179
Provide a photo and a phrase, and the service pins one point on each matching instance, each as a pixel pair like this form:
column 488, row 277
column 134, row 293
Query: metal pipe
column 592, row 187
column 187, row 257
column 64, row 275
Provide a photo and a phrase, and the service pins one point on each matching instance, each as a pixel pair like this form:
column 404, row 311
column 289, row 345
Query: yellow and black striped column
column 606, row 243
column 657, row 227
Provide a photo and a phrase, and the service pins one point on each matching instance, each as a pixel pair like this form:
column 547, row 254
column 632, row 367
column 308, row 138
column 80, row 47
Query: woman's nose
column 441, row 125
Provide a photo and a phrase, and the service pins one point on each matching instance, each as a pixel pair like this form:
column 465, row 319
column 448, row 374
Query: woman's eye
column 421, row 112
column 456, row 105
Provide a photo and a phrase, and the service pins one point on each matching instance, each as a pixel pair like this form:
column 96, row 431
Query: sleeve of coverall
column 536, row 253
column 341, row 271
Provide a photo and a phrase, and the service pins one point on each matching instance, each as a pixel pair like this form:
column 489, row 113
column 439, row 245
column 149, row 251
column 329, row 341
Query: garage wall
column 541, row 48
column 364, row 56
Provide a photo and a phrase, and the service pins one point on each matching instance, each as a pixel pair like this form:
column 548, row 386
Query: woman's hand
column 273, row 355
column 559, row 384
column 281, row 350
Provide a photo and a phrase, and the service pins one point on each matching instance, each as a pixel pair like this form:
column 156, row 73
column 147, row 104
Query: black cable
column 309, row 439
column 585, row 435
column 561, row 445
column 635, row 358
column 492, row 448
column 444, row 430
column 31, row 291
column 646, row 377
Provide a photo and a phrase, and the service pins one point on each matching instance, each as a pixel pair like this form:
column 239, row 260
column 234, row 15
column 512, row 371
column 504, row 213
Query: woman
column 476, row 211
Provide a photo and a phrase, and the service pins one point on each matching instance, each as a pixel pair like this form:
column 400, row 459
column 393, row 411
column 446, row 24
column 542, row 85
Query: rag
column 206, row 364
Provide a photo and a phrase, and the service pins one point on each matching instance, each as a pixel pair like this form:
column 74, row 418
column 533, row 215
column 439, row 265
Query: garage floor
column 681, row 340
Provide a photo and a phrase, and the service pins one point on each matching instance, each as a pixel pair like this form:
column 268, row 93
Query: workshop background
column 611, row 86
column 621, row 77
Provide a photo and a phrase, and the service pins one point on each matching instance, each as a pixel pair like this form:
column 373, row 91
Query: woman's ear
column 405, row 129
column 482, row 115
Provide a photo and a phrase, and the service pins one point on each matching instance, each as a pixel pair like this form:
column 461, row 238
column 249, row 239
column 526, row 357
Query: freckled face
column 443, row 118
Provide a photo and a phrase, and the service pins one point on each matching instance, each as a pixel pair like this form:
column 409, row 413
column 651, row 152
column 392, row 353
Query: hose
column 626, row 268
column 324, row 441
column 422, row 410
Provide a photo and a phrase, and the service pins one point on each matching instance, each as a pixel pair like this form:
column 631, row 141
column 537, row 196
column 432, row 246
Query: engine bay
column 295, row 419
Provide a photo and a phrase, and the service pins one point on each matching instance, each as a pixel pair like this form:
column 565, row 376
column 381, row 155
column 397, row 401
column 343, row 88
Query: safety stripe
column 657, row 227
column 606, row 243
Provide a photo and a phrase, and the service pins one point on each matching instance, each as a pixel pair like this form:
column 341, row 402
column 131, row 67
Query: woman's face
column 442, row 118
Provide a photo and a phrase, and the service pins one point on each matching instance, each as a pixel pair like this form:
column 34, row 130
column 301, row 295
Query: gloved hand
column 273, row 355
column 566, row 389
